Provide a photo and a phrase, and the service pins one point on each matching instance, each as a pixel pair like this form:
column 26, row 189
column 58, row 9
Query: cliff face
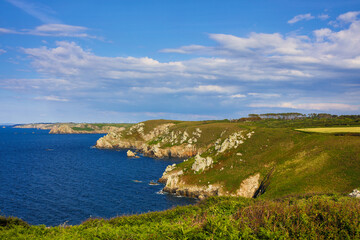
column 244, row 159
column 184, row 140
column 75, row 128
column 82, row 129
column 159, row 142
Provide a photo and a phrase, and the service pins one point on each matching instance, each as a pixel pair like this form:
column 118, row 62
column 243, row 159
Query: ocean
column 55, row 179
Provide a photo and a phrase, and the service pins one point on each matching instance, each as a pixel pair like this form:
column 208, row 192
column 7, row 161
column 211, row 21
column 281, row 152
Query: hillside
column 306, row 217
column 267, row 158
column 77, row 128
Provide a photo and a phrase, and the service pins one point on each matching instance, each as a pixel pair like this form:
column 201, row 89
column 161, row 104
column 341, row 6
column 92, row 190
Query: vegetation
column 331, row 130
column 83, row 129
column 305, row 217
column 291, row 159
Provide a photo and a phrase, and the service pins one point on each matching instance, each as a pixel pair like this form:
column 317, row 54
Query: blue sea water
column 55, row 179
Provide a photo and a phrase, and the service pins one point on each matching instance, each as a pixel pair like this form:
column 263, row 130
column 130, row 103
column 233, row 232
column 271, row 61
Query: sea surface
column 55, row 179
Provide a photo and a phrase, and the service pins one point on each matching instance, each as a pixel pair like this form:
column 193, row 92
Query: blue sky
column 129, row 61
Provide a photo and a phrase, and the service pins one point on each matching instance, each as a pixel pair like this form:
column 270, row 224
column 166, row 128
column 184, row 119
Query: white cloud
column 231, row 65
column 52, row 98
column 309, row 106
column 2, row 51
column 52, row 30
column 264, row 95
column 348, row 17
column 238, row 96
column 301, row 17
column 205, row 89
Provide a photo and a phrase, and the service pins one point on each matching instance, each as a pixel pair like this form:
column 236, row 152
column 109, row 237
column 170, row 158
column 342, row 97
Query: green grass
column 302, row 217
column 298, row 162
column 83, row 129
column 331, row 130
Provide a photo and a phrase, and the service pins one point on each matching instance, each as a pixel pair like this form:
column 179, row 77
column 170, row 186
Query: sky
column 134, row 60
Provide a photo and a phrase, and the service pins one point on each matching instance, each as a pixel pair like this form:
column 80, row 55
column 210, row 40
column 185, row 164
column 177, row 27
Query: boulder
column 130, row 153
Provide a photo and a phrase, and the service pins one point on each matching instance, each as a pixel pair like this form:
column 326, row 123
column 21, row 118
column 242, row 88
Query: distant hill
column 76, row 128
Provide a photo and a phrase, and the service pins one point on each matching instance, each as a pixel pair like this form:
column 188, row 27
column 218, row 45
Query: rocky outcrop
column 170, row 140
column 74, row 129
column 249, row 186
column 61, row 129
column 130, row 153
column 201, row 163
column 141, row 143
column 355, row 193
column 175, row 185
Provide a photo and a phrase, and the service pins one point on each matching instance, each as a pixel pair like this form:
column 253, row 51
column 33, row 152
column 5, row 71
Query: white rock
column 355, row 193
column 201, row 163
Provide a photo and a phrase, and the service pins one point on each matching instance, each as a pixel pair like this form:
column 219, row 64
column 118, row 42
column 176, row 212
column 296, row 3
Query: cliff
column 247, row 159
column 77, row 128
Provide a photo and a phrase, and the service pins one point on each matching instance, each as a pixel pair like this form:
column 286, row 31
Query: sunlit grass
column 331, row 130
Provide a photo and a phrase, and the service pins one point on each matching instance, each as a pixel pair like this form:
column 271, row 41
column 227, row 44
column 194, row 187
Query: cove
column 55, row 179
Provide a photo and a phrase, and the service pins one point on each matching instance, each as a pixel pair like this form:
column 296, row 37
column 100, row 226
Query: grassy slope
column 299, row 162
column 309, row 217
column 90, row 127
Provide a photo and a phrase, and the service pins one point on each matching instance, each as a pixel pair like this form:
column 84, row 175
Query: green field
column 331, row 130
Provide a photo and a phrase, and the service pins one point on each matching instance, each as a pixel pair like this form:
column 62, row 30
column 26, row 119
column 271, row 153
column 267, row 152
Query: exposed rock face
column 61, row 129
column 167, row 140
column 233, row 141
column 66, row 129
column 201, row 163
column 175, row 185
column 130, row 153
column 249, row 186
column 355, row 193
column 117, row 140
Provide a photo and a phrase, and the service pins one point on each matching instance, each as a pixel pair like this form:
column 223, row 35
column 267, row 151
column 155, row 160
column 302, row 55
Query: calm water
column 52, row 179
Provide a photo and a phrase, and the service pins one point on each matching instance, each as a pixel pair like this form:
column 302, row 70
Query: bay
column 56, row 179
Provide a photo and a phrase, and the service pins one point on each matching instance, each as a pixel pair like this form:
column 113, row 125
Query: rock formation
column 130, row 153
column 159, row 136
column 355, row 193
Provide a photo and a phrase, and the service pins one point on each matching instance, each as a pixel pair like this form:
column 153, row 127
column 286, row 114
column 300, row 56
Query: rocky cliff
column 245, row 159
column 200, row 143
column 76, row 128
column 159, row 141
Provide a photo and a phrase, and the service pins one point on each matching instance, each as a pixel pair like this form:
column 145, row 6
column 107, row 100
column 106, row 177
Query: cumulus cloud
column 233, row 64
column 309, row 106
column 301, row 17
column 348, row 17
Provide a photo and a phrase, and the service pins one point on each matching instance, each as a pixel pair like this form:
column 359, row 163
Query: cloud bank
column 225, row 73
